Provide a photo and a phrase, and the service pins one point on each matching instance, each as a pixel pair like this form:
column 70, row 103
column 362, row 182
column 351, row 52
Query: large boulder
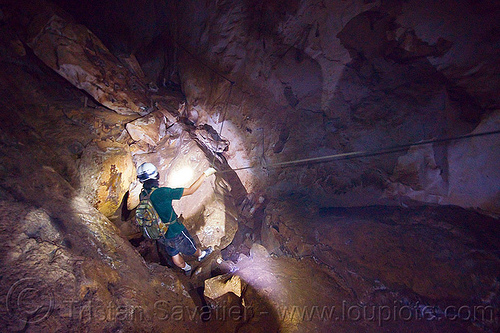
column 222, row 284
column 151, row 128
column 80, row 57
column 64, row 265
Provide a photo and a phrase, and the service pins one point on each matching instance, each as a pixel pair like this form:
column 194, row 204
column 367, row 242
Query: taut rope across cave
column 327, row 158
column 365, row 153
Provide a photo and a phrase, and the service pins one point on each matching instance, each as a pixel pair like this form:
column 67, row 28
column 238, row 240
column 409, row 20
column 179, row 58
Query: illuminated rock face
column 221, row 284
column 149, row 129
column 314, row 80
column 60, row 255
column 300, row 80
column 311, row 79
column 210, row 213
column 107, row 170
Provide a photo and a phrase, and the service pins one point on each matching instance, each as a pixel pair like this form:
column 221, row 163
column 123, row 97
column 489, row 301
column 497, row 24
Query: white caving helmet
column 147, row 171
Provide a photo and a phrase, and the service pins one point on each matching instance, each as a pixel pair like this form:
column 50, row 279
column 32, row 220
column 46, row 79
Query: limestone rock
column 63, row 257
column 38, row 225
column 381, row 83
column 258, row 250
column 474, row 175
column 210, row 211
column 428, row 250
column 471, row 62
column 149, row 129
column 270, row 238
column 79, row 56
column 134, row 192
column 106, row 170
column 221, row 285
column 469, row 178
column 411, row 168
column 418, row 177
column 277, row 283
column 207, row 135
column 132, row 65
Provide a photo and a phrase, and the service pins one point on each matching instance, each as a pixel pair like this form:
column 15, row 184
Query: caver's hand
column 209, row 172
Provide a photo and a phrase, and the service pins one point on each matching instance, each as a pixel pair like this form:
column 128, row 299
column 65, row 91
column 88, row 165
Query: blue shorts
column 182, row 243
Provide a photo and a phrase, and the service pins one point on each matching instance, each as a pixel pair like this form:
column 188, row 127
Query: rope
column 225, row 110
column 321, row 159
column 222, row 76
column 223, row 117
column 204, row 64
column 358, row 154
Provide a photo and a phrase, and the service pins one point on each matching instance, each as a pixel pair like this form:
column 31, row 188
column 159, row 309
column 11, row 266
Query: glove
column 209, row 172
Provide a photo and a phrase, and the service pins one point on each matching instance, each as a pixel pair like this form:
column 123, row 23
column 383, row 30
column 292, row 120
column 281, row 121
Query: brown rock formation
column 79, row 56
column 369, row 244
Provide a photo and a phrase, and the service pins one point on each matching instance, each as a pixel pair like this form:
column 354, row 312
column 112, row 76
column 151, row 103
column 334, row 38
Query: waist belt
column 164, row 226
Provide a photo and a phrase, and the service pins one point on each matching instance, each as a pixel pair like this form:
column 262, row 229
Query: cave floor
column 358, row 269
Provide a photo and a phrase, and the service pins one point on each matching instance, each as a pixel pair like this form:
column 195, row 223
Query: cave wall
column 65, row 266
column 302, row 79
column 320, row 78
column 66, row 165
column 280, row 80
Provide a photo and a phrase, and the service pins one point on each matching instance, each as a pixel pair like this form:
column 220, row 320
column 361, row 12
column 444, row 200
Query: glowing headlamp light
column 181, row 177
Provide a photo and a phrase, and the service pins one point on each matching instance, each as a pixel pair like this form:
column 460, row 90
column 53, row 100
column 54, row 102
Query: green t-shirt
column 162, row 201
